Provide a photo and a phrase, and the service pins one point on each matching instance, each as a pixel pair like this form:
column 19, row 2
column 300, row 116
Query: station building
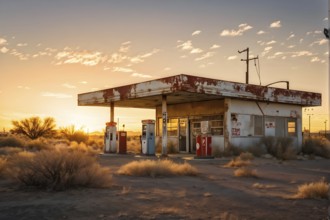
column 231, row 113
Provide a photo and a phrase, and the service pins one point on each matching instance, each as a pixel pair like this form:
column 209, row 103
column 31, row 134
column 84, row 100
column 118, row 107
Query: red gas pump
column 122, row 142
column 204, row 142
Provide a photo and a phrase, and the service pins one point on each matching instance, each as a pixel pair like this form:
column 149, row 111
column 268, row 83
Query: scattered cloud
column 3, row 41
column 319, row 42
column 125, row 47
column 291, row 46
column 315, row 59
column 185, row 45
column 140, row 58
column 275, row 24
column 268, row 48
column 117, row 58
column 22, row 44
column 56, row 95
column 325, row 19
column 238, row 32
column 69, row 86
column 232, row 57
column 271, row 42
column 83, row 82
column 83, row 57
column 196, row 50
column 261, row 32
column 301, row 40
column 141, row 75
column 214, row 46
column 167, row 69
column 122, row 69
column 4, row 50
column 205, row 56
column 301, row 53
column 24, row 87
column 291, row 36
column 197, row 32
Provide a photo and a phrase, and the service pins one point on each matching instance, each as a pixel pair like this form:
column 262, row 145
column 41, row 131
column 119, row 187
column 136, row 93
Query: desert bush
column 246, row 156
column 3, row 163
column 82, row 147
column 11, row 142
column 134, row 145
column 279, row 147
column 35, row 127
column 257, row 150
column 157, row 168
column 238, row 162
column 37, row 145
column 245, row 172
column 6, row 151
column 96, row 142
column 72, row 134
column 57, row 170
column 317, row 146
column 314, row 190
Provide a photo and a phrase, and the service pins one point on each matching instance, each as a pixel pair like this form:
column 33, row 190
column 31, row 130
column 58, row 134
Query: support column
column 227, row 123
column 112, row 112
column 164, row 135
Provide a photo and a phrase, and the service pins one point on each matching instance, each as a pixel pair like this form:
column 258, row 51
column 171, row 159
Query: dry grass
column 11, row 141
column 3, row 163
column 314, row 190
column 134, row 145
column 245, row 172
column 7, row 151
column 263, row 186
column 157, row 168
column 238, row 162
column 57, row 170
column 246, row 156
column 38, row 145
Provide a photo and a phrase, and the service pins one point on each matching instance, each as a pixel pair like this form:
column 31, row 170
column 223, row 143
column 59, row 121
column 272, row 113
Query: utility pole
column 325, row 128
column 248, row 59
column 309, row 124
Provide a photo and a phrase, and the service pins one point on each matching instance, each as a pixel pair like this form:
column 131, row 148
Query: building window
column 217, row 126
column 292, row 127
column 160, row 126
column 172, row 127
column 258, row 125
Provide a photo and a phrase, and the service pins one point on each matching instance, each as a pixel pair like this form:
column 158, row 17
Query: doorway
column 183, row 135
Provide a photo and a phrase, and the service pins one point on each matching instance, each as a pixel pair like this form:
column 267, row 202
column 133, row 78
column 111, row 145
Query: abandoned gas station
column 229, row 113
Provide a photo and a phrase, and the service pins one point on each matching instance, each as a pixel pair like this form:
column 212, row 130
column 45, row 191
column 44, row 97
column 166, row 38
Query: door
column 183, row 126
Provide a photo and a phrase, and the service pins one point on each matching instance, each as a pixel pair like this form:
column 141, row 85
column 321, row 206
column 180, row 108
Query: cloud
column 197, row 32
column 291, row 46
column 141, row 58
column 275, row 24
column 3, row 41
column 261, row 32
column 84, row 57
column 205, row 56
column 141, row 75
column 21, row 56
column 234, row 33
column 214, row 46
column 271, row 42
column 117, row 58
column 325, row 19
column 268, row 48
column 83, row 82
column 232, row 57
column 4, row 50
column 24, row 87
column 122, row 69
column 167, row 69
column 196, row 50
column 125, row 47
column 69, row 86
column 56, row 95
column 185, row 45
column 291, row 36
column 301, row 53
column 22, row 44
column 319, row 42
column 315, row 59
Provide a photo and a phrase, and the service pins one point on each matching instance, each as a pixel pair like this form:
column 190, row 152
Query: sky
column 50, row 51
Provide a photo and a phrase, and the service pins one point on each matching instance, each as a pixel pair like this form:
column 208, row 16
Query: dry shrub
column 134, row 145
column 82, row 147
column 314, row 190
column 262, row 186
column 246, row 156
column 11, row 142
column 6, row 151
column 57, row 170
column 238, row 162
column 317, row 146
column 157, row 168
column 3, row 164
column 37, row 145
column 245, row 172
column 279, row 147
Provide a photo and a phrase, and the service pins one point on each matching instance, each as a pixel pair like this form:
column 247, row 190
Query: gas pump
column 204, row 141
column 110, row 138
column 148, row 137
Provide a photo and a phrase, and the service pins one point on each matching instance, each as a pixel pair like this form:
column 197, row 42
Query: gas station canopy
column 186, row 88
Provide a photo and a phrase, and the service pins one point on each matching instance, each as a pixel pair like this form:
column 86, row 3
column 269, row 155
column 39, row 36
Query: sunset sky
column 50, row 51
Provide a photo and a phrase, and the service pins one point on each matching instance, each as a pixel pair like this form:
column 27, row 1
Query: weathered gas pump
column 110, row 144
column 148, row 137
column 204, row 141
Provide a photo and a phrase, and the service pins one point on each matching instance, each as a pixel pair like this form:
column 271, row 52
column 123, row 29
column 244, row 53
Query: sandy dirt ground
column 214, row 194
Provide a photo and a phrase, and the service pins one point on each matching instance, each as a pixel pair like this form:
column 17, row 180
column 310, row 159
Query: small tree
column 72, row 134
column 35, row 127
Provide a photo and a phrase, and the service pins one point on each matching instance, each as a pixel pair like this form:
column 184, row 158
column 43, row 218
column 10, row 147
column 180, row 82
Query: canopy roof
column 186, row 88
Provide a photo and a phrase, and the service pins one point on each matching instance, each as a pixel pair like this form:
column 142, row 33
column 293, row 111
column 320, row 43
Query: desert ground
column 215, row 193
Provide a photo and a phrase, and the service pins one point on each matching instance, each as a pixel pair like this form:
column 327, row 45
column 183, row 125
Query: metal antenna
column 247, row 63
